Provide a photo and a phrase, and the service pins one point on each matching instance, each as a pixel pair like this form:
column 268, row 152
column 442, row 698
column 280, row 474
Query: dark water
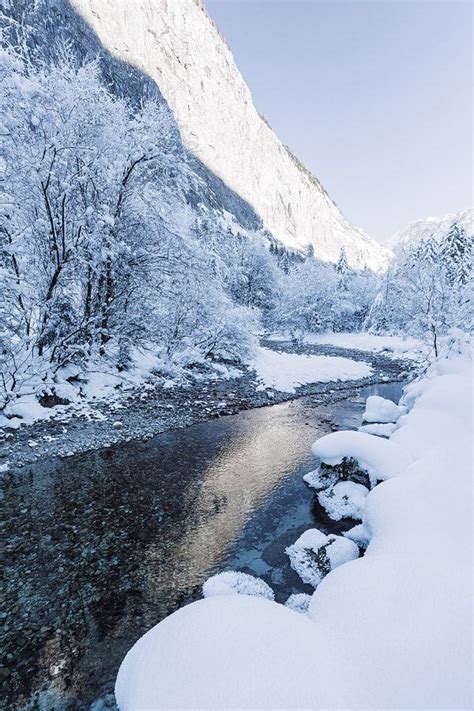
column 102, row 546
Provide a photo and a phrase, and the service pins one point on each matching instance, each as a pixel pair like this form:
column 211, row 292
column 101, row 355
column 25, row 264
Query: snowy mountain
column 176, row 44
column 434, row 227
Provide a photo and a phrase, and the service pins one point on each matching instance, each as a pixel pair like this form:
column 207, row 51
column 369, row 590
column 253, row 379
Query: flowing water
column 103, row 545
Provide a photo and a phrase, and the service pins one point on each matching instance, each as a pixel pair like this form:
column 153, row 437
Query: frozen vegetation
column 400, row 612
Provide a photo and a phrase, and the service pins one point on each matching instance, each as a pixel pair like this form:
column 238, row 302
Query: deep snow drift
column 389, row 630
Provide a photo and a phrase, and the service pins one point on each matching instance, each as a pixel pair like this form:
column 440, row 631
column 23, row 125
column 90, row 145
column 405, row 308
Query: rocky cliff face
column 178, row 46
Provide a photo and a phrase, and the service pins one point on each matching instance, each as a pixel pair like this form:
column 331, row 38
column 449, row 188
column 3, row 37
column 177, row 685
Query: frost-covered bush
column 314, row 554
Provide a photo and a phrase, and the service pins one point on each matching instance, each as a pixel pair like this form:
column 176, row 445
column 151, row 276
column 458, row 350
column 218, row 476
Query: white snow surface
column 346, row 499
column 379, row 409
column 336, row 549
column 286, row 371
column 396, row 346
column 233, row 582
column 177, row 44
column 390, row 630
column 381, row 430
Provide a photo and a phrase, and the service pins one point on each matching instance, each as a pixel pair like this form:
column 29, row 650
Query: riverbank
column 146, row 412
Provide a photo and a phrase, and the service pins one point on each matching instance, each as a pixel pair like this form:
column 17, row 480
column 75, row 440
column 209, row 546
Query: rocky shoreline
column 146, row 413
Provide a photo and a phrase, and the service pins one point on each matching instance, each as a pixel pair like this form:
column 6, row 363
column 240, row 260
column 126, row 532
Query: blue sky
column 374, row 96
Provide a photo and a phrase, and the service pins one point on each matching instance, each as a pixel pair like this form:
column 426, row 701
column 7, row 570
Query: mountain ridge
column 180, row 47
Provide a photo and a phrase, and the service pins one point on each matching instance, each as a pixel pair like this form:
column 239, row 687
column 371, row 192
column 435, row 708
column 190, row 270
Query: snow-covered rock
column 379, row 409
column 346, row 499
column 233, row 582
column 299, row 602
column 320, row 479
column 360, row 534
column 178, row 45
column 314, row 555
column 380, row 458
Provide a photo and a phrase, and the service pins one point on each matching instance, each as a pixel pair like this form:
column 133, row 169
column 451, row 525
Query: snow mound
column 287, row 371
column 382, row 459
column 378, row 409
column 314, row 555
column 346, row 499
column 380, row 430
column 299, row 602
column 235, row 583
column 235, row 652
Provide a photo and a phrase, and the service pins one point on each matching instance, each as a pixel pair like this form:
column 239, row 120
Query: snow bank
column 390, row 630
column 379, row 409
column 235, row 583
column 314, row 554
column 346, row 499
column 396, row 346
column 286, row 371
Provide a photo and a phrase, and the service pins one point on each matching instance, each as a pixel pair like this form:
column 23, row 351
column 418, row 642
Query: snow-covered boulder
column 378, row 409
column 346, row 499
column 382, row 459
column 314, row 555
column 321, row 478
column 233, row 582
column 299, row 602
column 360, row 534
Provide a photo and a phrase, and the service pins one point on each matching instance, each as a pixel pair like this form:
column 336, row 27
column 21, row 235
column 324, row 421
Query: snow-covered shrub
column 314, row 554
column 233, row 582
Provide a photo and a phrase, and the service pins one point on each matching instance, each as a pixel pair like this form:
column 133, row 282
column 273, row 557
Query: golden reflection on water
column 265, row 447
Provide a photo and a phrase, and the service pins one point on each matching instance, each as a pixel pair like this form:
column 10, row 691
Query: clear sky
column 375, row 97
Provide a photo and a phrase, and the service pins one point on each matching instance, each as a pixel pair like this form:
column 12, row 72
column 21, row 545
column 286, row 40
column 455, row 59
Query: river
column 101, row 546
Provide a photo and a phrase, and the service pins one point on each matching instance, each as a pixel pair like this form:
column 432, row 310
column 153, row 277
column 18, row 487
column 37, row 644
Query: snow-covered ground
column 398, row 346
column 390, row 630
column 286, row 371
